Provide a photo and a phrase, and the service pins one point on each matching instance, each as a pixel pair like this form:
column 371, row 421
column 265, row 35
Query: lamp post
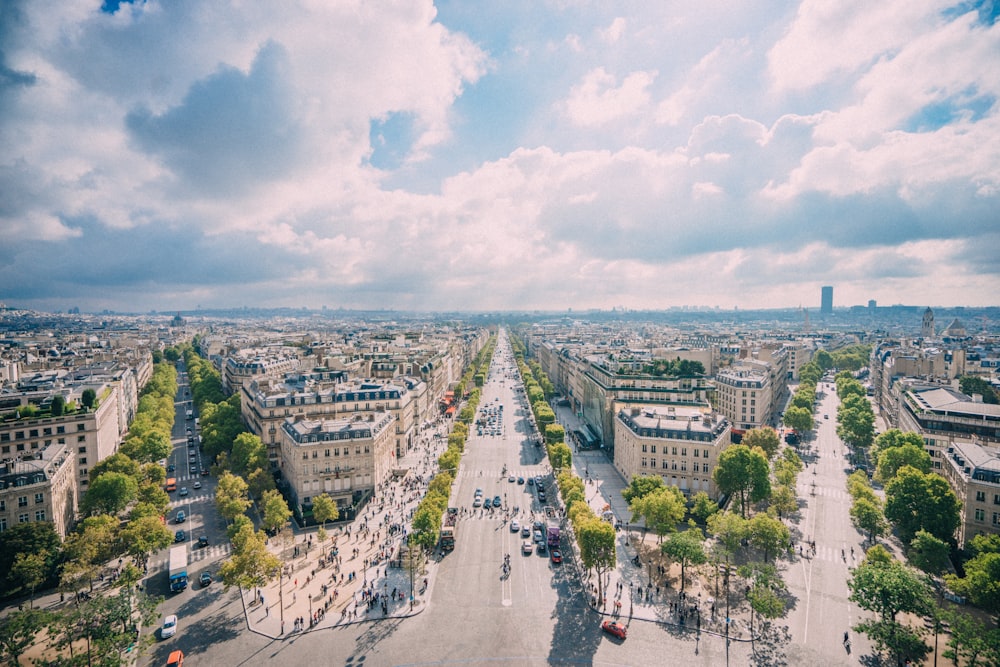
column 310, row 610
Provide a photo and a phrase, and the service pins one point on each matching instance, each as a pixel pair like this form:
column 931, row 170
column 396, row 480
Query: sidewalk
column 319, row 590
column 639, row 592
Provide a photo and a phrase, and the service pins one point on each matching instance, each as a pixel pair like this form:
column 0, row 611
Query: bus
column 171, row 484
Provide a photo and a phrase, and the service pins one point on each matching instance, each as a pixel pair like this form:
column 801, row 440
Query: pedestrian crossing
column 195, row 555
column 827, row 554
column 497, row 473
column 836, row 493
column 191, row 498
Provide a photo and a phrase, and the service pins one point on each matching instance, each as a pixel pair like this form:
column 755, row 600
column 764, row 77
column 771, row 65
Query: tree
column 109, row 494
column 703, row 507
column 662, row 510
column 928, row 553
column 248, row 453
column 324, row 509
column 143, row 536
column 251, row 564
column 259, row 480
column 18, row 630
column 764, row 437
column 892, row 459
column 799, row 418
column 763, row 591
column 981, row 583
column 30, row 570
column 58, row 406
column 275, row 511
column 231, row 496
column 555, row 433
column 768, row 534
column 823, row 359
column 856, row 422
column 973, row 384
column 895, row 438
column 729, row 528
column 866, row 515
column 24, row 539
column 744, row 472
column 687, row 548
column 117, row 462
column 888, row 588
column 969, row 638
column 597, row 550
column 916, row 500
column 88, row 398
column 642, row 485
column 783, row 500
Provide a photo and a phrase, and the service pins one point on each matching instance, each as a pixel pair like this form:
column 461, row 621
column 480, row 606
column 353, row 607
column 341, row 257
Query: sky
column 516, row 155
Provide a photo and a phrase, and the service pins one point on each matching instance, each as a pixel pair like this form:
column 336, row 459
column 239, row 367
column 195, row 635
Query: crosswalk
column 497, row 473
column 836, row 493
column 195, row 555
column 191, row 499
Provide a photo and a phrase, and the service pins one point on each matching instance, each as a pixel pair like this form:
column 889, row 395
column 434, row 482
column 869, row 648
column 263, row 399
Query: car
column 520, row 480
column 204, row 472
column 826, row 416
column 180, row 517
column 205, row 579
column 556, row 556
column 496, row 501
column 478, row 502
column 203, row 541
column 197, row 485
column 511, row 479
column 541, row 547
column 183, row 491
column 190, row 439
column 189, row 430
column 194, row 470
column 487, row 504
column 537, row 536
column 527, row 548
column 531, row 481
column 479, row 492
column 616, row 629
column 525, row 531
column 169, row 628
column 180, row 536
column 514, row 526
column 175, row 659
column 171, row 468
column 541, row 496
column 538, row 525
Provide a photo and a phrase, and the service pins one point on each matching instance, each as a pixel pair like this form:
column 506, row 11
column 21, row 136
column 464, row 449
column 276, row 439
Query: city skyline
column 528, row 156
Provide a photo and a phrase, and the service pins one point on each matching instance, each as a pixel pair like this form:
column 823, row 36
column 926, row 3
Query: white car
column 169, row 627
column 183, row 491
column 515, row 526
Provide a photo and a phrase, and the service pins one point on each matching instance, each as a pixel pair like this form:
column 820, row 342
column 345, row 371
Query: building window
column 22, row 501
column 643, row 462
column 652, row 463
column 644, row 448
column 3, row 525
column 24, row 518
column 684, row 451
column 39, row 498
column 40, row 515
column 81, row 438
column 996, row 498
column 327, row 454
column 81, row 427
column 3, row 505
column 996, row 518
column 665, row 465
column 81, row 450
column 83, row 460
column 980, row 496
column 305, row 456
column 980, row 515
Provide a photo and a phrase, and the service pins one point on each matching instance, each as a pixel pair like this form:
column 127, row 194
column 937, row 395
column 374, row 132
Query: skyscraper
column 826, row 304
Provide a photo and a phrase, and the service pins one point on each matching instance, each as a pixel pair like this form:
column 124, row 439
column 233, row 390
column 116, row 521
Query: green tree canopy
column 248, row 453
column 799, row 418
column 324, row 509
column 974, row 384
column 867, row 516
column 703, row 507
column 687, row 548
column 729, row 528
column 928, row 553
column 743, row 472
column 981, row 583
column 231, row 496
column 275, row 511
column 892, row 459
column 764, row 437
column 642, row 485
column 768, row 534
column 110, row 493
column 662, row 510
column 597, row 549
column 916, row 500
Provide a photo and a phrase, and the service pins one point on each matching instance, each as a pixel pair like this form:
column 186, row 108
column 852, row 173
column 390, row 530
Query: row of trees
column 539, row 389
column 594, row 536
column 427, row 517
column 799, row 414
column 855, row 417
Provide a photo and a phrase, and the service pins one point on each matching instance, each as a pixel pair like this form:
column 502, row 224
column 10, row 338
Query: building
column 927, row 325
column 826, row 300
column 680, row 444
column 973, row 471
column 41, row 488
column 348, row 459
column 750, row 394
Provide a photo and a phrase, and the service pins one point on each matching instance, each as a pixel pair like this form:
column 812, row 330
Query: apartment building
column 40, row 488
column 750, row 394
column 325, row 394
column 973, row 472
column 346, row 458
column 680, row 444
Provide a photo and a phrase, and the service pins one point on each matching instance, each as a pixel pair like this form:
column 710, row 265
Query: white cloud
column 598, row 99
column 614, row 32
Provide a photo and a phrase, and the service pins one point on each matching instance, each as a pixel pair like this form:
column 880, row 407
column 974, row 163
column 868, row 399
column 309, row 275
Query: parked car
column 616, row 629
column 180, row 516
column 175, row 659
column 496, row 501
column 169, row 628
column 180, row 536
column 205, row 579
column 487, row 504
column 556, row 556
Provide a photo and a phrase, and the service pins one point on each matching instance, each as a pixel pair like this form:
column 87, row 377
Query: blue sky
column 484, row 156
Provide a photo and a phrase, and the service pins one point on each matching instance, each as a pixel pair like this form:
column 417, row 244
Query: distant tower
column 927, row 327
column 826, row 304
column 872, row 305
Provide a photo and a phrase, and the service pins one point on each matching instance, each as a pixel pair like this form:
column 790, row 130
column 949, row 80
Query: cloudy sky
column 536, row 154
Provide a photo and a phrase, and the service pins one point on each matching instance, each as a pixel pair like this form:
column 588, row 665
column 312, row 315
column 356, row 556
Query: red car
column 616, row 629
column 555, row 556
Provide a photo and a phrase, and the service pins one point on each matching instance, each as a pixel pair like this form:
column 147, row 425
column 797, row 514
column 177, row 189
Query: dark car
column 541, row 496
column 616, row 629
column 205, row 579
column 180, row 536
column 202, row 541
column 496, row 501
column 204, row 472
column 171, row 467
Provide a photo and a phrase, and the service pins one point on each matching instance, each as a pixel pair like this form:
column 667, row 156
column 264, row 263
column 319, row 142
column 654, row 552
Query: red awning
column 450, row 411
